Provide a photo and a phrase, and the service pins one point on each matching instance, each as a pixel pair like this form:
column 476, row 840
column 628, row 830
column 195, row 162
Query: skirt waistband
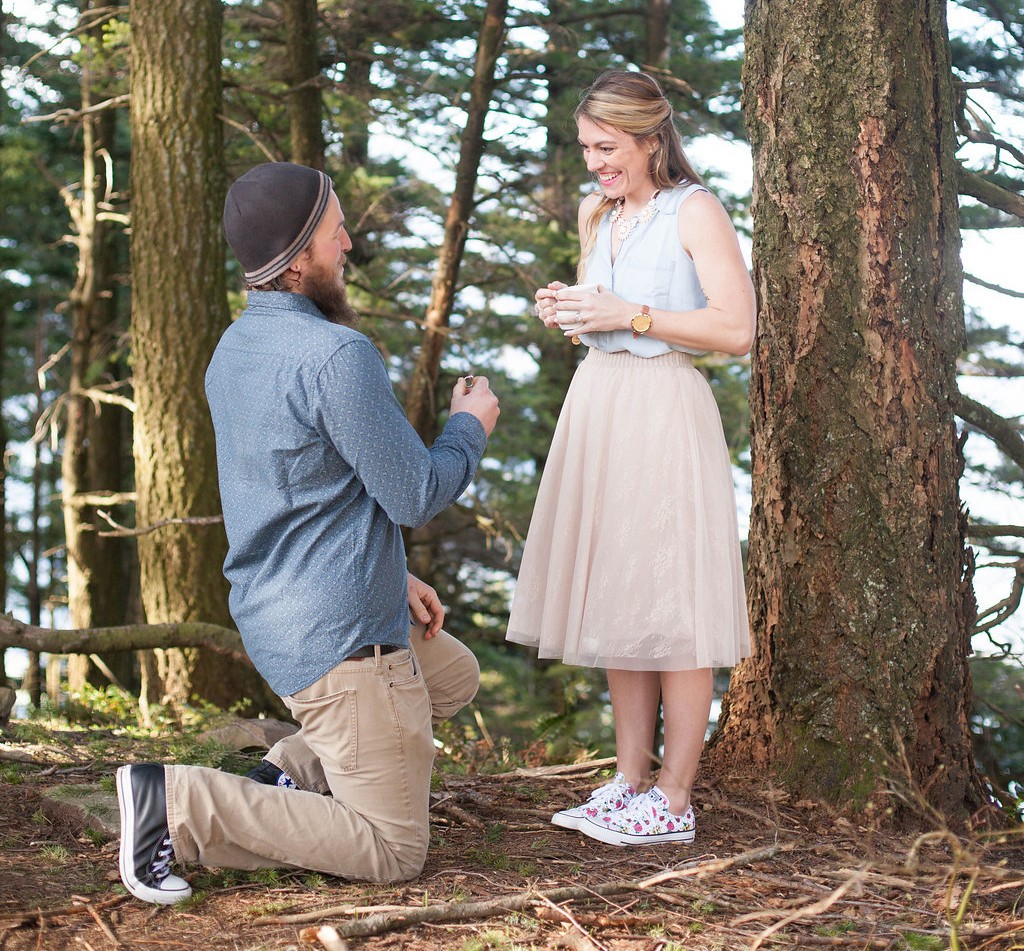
column 623, row 358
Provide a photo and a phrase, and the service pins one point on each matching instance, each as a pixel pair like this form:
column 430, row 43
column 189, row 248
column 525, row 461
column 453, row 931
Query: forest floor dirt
column 765, row 871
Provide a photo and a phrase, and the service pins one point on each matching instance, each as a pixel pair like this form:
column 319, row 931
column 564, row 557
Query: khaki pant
column 365, row 739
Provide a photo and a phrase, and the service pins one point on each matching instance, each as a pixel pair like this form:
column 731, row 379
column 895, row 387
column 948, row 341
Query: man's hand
column 425, row 606
column 477, row 400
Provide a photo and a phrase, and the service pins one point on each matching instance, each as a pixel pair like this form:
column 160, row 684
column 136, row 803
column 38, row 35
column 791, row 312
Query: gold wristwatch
column 641, row 322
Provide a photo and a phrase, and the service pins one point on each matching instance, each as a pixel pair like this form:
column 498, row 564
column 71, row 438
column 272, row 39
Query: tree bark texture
column 305, row 106
column 859, row 578
column 179, row 311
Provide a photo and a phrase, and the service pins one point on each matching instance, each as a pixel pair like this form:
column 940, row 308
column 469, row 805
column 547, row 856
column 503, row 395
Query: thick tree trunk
column 422, row 399
column 179, row 311
column 859, row 580
column 97, row 579
column 305, row 107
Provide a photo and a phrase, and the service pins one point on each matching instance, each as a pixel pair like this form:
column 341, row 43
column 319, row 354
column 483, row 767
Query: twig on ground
column 27, row 917
column 457, row 911
column 720, row 865
column 104, row 927
column 14, row 756
column 448, row 808
column 594, row 919
column 587, row 768
column 568, row 916
column 809, row 911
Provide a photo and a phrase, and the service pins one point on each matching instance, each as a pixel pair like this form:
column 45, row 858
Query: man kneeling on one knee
column 318, row 470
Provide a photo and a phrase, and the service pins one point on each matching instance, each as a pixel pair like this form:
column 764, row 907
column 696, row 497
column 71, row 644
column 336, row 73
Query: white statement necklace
column 625, row 227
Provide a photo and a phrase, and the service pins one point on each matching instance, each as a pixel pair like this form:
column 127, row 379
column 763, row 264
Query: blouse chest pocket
column 647, row 280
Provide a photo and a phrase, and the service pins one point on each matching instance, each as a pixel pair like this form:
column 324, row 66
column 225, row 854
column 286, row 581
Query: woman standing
column 632, row 561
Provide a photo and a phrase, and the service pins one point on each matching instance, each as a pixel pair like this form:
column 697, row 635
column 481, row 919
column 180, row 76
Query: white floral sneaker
column 645, row 820
column 603, row 801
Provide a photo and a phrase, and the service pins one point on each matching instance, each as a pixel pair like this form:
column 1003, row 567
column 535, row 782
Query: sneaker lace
column 611, row 790
column 161, row 868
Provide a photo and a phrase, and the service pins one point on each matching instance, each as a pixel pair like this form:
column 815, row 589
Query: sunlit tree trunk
column 859, row 579
column 179, row 311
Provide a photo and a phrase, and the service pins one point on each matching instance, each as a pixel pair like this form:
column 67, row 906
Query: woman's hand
column 425, row 606
column 595, row 307
column 545, row 306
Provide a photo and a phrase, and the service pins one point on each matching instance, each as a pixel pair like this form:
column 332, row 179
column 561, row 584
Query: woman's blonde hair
column 633, row 103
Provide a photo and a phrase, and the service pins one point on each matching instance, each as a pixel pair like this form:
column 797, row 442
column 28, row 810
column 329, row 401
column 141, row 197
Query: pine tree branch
column 1001, row 431
column 992, row 287
column 995, row 196
column 68, row 116
column 995, row 531
column 81, row 500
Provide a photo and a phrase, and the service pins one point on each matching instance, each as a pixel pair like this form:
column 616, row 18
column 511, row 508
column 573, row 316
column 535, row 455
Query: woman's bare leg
column 686, row 705
column 635, row 695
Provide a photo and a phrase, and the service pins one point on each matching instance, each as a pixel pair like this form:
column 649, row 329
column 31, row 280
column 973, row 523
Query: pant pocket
column 403, row 669
column 329, row 726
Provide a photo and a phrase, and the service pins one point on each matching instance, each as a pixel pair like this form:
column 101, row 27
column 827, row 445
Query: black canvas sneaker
column 146, row 852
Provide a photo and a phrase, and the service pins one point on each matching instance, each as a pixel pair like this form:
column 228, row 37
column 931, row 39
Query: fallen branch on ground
column 566, row 769
column 464, row 911
column 38, row 915
column 129, row 637
column 441, row 913
column 719, row 865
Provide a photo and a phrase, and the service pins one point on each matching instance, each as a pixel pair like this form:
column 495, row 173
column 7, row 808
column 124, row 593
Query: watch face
column 641, row 323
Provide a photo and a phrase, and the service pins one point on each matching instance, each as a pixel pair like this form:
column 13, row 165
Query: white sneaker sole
column 564, row 821
column 126, row 857
column 614, row 837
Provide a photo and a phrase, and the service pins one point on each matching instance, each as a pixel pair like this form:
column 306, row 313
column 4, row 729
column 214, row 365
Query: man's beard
column 326, row 289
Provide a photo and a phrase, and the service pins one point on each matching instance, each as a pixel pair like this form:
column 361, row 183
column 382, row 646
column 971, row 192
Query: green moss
column 915, row 941
column 823, row 768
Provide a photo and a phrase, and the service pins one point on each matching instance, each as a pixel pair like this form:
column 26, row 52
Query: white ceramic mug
column 569, row 319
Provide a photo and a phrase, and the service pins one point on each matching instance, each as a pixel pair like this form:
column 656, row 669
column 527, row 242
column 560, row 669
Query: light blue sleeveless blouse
column 651, row 268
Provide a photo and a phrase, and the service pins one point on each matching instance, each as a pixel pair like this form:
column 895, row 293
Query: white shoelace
column 609, row 791
column 161, row 868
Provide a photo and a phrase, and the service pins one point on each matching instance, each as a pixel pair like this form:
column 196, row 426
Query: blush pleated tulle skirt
column 633, row 559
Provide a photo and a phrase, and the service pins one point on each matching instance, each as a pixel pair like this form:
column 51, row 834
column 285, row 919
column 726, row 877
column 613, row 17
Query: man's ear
column 293, row 273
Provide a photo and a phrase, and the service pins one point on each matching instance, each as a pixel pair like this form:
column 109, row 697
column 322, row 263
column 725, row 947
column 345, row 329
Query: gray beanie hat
column 270, row 214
